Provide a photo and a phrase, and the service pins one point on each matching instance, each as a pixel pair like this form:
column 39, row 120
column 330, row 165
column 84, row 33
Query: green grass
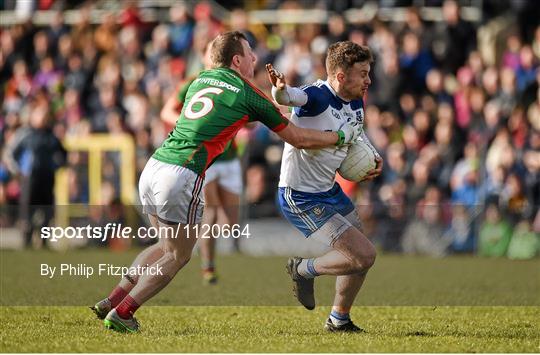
column 408, row 304
column 394, row 280
column 274, row 329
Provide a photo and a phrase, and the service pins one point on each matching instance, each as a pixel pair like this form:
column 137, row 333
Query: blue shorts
column 310, row 211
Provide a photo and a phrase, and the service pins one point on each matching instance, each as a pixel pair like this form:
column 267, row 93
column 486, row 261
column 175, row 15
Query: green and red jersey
column 217, row 104
column 231, row 151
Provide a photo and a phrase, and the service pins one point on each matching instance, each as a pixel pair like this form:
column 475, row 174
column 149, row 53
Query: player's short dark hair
column 225, row 46
column 343, row 55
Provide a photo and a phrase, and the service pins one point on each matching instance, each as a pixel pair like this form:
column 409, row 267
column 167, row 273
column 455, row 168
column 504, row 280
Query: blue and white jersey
column 314, row 170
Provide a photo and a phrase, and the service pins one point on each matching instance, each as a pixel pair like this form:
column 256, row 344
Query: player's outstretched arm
column 305, row 138
column 283, row 93
column 301, row 138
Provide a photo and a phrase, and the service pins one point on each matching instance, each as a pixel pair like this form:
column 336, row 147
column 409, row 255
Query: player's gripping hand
column 275, row 77
column 372, row 174
column 348, row 132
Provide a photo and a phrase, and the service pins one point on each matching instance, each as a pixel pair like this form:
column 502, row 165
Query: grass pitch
column 275, row 329
column 408, row 304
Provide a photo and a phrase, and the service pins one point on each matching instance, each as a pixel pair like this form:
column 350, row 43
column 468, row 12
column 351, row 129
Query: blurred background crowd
column 454, row 107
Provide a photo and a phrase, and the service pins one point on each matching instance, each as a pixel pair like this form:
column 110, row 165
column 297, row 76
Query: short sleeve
column 317, row 101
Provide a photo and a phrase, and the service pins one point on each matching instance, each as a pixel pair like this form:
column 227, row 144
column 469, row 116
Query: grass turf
column 408, row 304
column 274, row 329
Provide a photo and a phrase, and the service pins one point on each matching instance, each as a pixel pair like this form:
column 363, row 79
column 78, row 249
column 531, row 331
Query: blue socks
column 339, row 318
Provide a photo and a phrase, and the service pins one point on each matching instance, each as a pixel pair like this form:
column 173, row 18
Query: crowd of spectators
column 456, row 119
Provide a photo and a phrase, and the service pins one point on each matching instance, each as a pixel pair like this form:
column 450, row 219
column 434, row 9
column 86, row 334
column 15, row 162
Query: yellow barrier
column 95, row 145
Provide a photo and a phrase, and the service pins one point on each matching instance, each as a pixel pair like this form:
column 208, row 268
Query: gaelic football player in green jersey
column 218, row 103
column 223, row 183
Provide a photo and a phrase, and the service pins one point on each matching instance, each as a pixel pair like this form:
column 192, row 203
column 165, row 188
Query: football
column 359, row 161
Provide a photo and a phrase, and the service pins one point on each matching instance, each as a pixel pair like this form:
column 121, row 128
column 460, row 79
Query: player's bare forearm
column 305, row 138
column 313, row 139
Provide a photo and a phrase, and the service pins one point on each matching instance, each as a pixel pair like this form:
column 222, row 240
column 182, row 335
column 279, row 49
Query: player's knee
column 369, row 258
column 176, row 258
column 363, row 261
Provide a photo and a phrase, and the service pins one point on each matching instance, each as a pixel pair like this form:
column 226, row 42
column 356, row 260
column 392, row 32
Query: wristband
column 341, row 137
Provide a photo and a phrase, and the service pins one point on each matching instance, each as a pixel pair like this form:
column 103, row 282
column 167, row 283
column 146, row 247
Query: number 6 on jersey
column 207, row 103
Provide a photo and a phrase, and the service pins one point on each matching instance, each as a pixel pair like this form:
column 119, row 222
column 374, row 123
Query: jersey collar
column 344, row 102
column 230, row 71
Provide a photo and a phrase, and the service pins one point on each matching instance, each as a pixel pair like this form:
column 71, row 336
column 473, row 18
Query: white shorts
column 171, row 192
column 228, row 175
